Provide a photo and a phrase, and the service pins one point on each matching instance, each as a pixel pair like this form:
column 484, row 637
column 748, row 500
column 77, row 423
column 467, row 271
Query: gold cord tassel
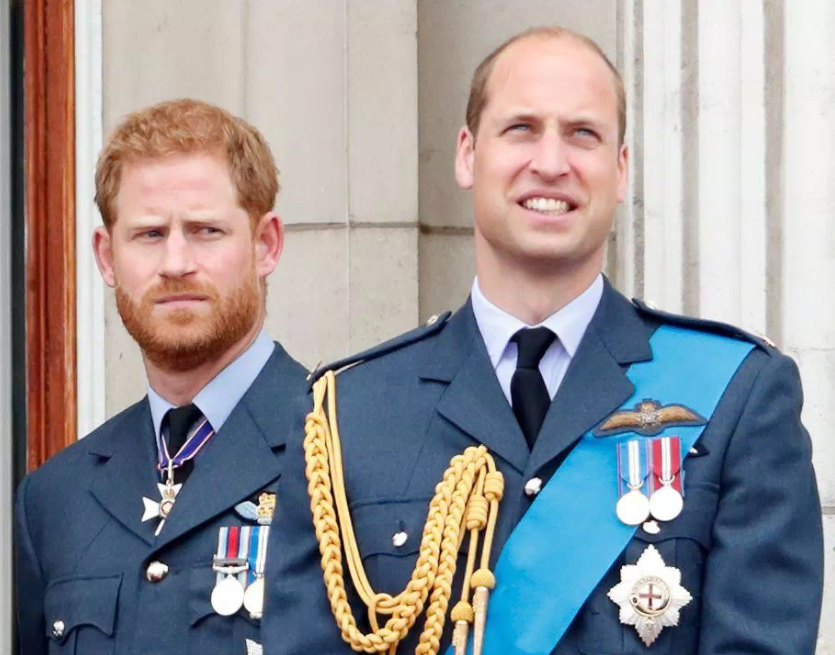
column 483, row 582
column 466, row 501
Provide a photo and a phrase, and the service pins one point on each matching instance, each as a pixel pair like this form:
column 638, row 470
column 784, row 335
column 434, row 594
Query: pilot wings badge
column 650, row 595
column 648, row 418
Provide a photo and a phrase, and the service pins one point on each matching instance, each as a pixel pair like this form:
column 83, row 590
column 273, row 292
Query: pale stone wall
column 731, row 130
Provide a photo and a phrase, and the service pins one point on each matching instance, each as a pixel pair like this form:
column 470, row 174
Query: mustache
column 179, row 287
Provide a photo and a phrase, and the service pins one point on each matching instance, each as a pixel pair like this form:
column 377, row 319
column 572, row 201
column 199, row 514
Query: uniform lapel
column 595, row 383
column 241, row 459
column 127, row 472
column 474, row 401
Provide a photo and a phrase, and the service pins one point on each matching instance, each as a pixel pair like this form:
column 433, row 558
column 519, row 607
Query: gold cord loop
column 466, row 501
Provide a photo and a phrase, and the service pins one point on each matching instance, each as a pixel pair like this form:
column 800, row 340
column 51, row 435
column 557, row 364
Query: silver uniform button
column 533, row 487
column 58, row 629
column 156, row 571
column 399, row 539
column 432, row 319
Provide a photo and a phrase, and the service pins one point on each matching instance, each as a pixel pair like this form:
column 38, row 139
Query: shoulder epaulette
column 705, row 324
column 434, row 325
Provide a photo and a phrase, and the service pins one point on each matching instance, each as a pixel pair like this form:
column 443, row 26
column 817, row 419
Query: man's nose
column 550, row 158
column 178, row 259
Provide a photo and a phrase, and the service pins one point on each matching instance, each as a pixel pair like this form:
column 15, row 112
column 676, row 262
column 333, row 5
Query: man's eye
column 208, row 230
column 586, row 132
column 519, row 127
column 151, row 234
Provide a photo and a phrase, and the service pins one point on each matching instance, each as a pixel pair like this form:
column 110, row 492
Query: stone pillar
column 808, row 233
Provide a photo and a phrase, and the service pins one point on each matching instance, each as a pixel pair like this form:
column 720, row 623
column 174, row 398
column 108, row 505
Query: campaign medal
column 230, row 565
column 649, row 595
column 166, row 465
column 633, row 506
column 254, row 595
column 666, row 501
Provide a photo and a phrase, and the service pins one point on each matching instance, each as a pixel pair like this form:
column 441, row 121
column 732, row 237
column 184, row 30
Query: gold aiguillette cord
column 466, row 501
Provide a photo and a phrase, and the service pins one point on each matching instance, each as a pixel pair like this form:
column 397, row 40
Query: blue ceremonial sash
column 570, row 536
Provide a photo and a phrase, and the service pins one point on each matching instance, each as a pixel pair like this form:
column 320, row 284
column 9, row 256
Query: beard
column 183, row 339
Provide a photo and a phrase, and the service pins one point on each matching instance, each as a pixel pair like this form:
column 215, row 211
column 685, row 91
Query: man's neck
column 532, row 295
column 180, row 387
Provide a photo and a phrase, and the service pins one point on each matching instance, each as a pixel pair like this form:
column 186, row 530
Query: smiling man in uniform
column 150, row 534
column 657, row 492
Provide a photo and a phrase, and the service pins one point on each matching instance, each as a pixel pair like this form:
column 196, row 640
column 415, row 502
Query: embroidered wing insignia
column 648, row 418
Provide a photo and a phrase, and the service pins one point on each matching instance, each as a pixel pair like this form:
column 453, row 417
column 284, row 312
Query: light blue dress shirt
column 218, row 398
column 569, row 324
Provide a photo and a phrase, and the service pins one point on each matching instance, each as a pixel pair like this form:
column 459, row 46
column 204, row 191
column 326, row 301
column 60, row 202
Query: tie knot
column 532, row 344
column 180, row 420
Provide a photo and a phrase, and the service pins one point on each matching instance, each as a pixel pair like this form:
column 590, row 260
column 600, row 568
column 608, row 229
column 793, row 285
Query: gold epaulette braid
column 466, row 501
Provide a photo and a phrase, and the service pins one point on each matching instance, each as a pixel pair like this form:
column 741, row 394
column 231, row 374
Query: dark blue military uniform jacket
column 83, row 551
column 748, row 542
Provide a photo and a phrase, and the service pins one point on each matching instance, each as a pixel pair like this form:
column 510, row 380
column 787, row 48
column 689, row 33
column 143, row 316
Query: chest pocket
column 81, row 615
column 210, row 633
column 683, row 543
column 388, row 535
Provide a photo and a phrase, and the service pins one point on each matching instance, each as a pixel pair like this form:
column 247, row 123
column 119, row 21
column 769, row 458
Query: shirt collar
column 569, row 323
column 218, row 398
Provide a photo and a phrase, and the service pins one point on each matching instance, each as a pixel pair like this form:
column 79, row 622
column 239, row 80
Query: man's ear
column 464, row 155
column 623, row 172
column 103, row 250
column 269, row 242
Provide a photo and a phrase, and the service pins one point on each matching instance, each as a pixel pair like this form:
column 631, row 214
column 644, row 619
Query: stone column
column 808, row 233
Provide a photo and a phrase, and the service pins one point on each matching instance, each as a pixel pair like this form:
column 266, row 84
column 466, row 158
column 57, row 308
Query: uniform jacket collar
column 595, row 383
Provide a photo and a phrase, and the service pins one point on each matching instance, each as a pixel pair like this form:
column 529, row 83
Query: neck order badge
column 193, row 444
column 572, row 519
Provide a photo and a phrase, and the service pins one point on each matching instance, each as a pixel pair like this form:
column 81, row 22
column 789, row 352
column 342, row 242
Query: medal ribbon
column 244, row 552
column 196, row 440
column 229, row 545
column 634, row 454
column 258, row 551
column 666, row 463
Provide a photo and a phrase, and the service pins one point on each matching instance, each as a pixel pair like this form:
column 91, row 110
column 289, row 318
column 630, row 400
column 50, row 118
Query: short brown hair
column 481, row 77
column 188, row 126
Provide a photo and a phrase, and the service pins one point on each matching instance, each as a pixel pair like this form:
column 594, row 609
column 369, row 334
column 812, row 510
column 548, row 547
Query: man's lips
column 183, row 298
column 548, row 203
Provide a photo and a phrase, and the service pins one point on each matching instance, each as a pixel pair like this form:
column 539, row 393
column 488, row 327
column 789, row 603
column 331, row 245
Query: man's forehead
column 530, row 63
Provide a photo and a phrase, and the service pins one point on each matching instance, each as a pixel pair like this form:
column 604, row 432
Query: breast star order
column 650, row 595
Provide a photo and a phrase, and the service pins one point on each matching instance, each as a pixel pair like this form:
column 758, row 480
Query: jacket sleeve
column 764, row 576
column 29, row 583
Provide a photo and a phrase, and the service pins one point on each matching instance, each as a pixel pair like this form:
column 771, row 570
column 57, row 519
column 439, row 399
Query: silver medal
column 227, row 596
column 633, row 508
column 666, row 503
column 254, row 598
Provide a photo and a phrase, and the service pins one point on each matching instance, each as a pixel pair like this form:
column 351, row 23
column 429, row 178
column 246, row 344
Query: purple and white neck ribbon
column 198, row 438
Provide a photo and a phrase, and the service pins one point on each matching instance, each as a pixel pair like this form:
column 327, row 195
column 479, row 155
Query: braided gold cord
column 466, row 501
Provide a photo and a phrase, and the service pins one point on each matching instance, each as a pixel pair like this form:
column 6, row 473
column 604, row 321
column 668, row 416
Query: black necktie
column 180, row 420
column 528, row 393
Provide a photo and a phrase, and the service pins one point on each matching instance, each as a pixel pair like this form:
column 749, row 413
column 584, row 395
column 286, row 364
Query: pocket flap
column 71, row 602
column 389, row 527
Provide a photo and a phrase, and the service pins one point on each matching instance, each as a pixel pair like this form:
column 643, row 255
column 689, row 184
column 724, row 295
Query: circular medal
column 650, row 597
column 227, row 596
column 666, row 503
column 633, row 508
column 254, row 598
